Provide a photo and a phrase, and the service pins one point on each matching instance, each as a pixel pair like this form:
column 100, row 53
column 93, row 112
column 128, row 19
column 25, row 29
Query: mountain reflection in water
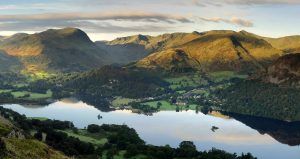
column 283, row 131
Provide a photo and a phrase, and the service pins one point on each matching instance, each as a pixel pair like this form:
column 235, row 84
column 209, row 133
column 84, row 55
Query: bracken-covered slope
column 214, row 50
column 66, row 49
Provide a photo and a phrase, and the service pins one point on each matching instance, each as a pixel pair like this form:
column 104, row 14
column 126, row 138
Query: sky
column 109, row 19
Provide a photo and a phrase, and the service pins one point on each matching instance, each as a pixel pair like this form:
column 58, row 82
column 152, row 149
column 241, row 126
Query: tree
column 93, row 128
column 39, row 135
column 177, row 108
column 132, row 150
column 187, row 149
column 158, row 105
column 2, row 148
column 197, row 109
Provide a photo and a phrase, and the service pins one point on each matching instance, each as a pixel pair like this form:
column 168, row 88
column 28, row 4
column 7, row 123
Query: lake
column 264, row 138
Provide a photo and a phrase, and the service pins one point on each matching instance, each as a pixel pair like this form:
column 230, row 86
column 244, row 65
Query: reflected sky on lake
column 170, row 127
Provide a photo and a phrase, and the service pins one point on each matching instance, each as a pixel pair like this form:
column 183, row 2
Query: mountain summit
column 67, row 49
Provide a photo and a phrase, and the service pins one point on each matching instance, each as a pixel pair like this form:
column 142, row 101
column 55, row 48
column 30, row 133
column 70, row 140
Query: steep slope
column 216, row 50
column 9, row 63
column 285, row 71
column 64, row 50
column 13, row 144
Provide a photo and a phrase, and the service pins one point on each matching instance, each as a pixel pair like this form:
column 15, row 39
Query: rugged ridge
column 284, row 71
column 216, row 50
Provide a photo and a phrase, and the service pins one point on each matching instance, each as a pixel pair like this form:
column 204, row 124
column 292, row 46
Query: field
column 204, row 92
column 4, row 90
column 119, row 101
column 165, row 105
column 168, row 106
column 32, row 95
column 83, row 135
column 193, row 81
column 225, row 75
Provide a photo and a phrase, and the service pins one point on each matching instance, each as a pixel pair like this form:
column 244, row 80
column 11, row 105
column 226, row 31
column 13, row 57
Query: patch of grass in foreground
column 27, row 148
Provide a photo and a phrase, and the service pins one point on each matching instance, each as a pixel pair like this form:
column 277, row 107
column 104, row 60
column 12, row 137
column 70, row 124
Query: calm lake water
column 170, row 127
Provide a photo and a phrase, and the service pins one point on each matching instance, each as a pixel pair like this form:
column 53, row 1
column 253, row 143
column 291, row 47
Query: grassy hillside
column 215, row 50
column 288, row 44
column 63, row 50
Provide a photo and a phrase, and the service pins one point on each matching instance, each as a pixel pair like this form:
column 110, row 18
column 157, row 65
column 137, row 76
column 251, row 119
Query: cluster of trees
column 9, row 78
column 117, row 81
column 261, row 99
column 71, row 146
column 146, row 109
column 6, row 97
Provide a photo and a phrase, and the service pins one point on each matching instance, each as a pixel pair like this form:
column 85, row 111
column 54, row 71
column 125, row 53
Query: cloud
column 198, row 3
column 259, row 2
column 8, row 7
column 89, row 26
column 234, row 20
column 128, row 15
column 218, row 3
column 97, row 22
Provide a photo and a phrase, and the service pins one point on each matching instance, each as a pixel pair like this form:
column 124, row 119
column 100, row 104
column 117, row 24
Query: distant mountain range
column 70, row 49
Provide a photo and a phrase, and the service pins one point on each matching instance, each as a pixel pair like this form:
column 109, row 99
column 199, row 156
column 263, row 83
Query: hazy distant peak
column 136, row 39
column 16, row 36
